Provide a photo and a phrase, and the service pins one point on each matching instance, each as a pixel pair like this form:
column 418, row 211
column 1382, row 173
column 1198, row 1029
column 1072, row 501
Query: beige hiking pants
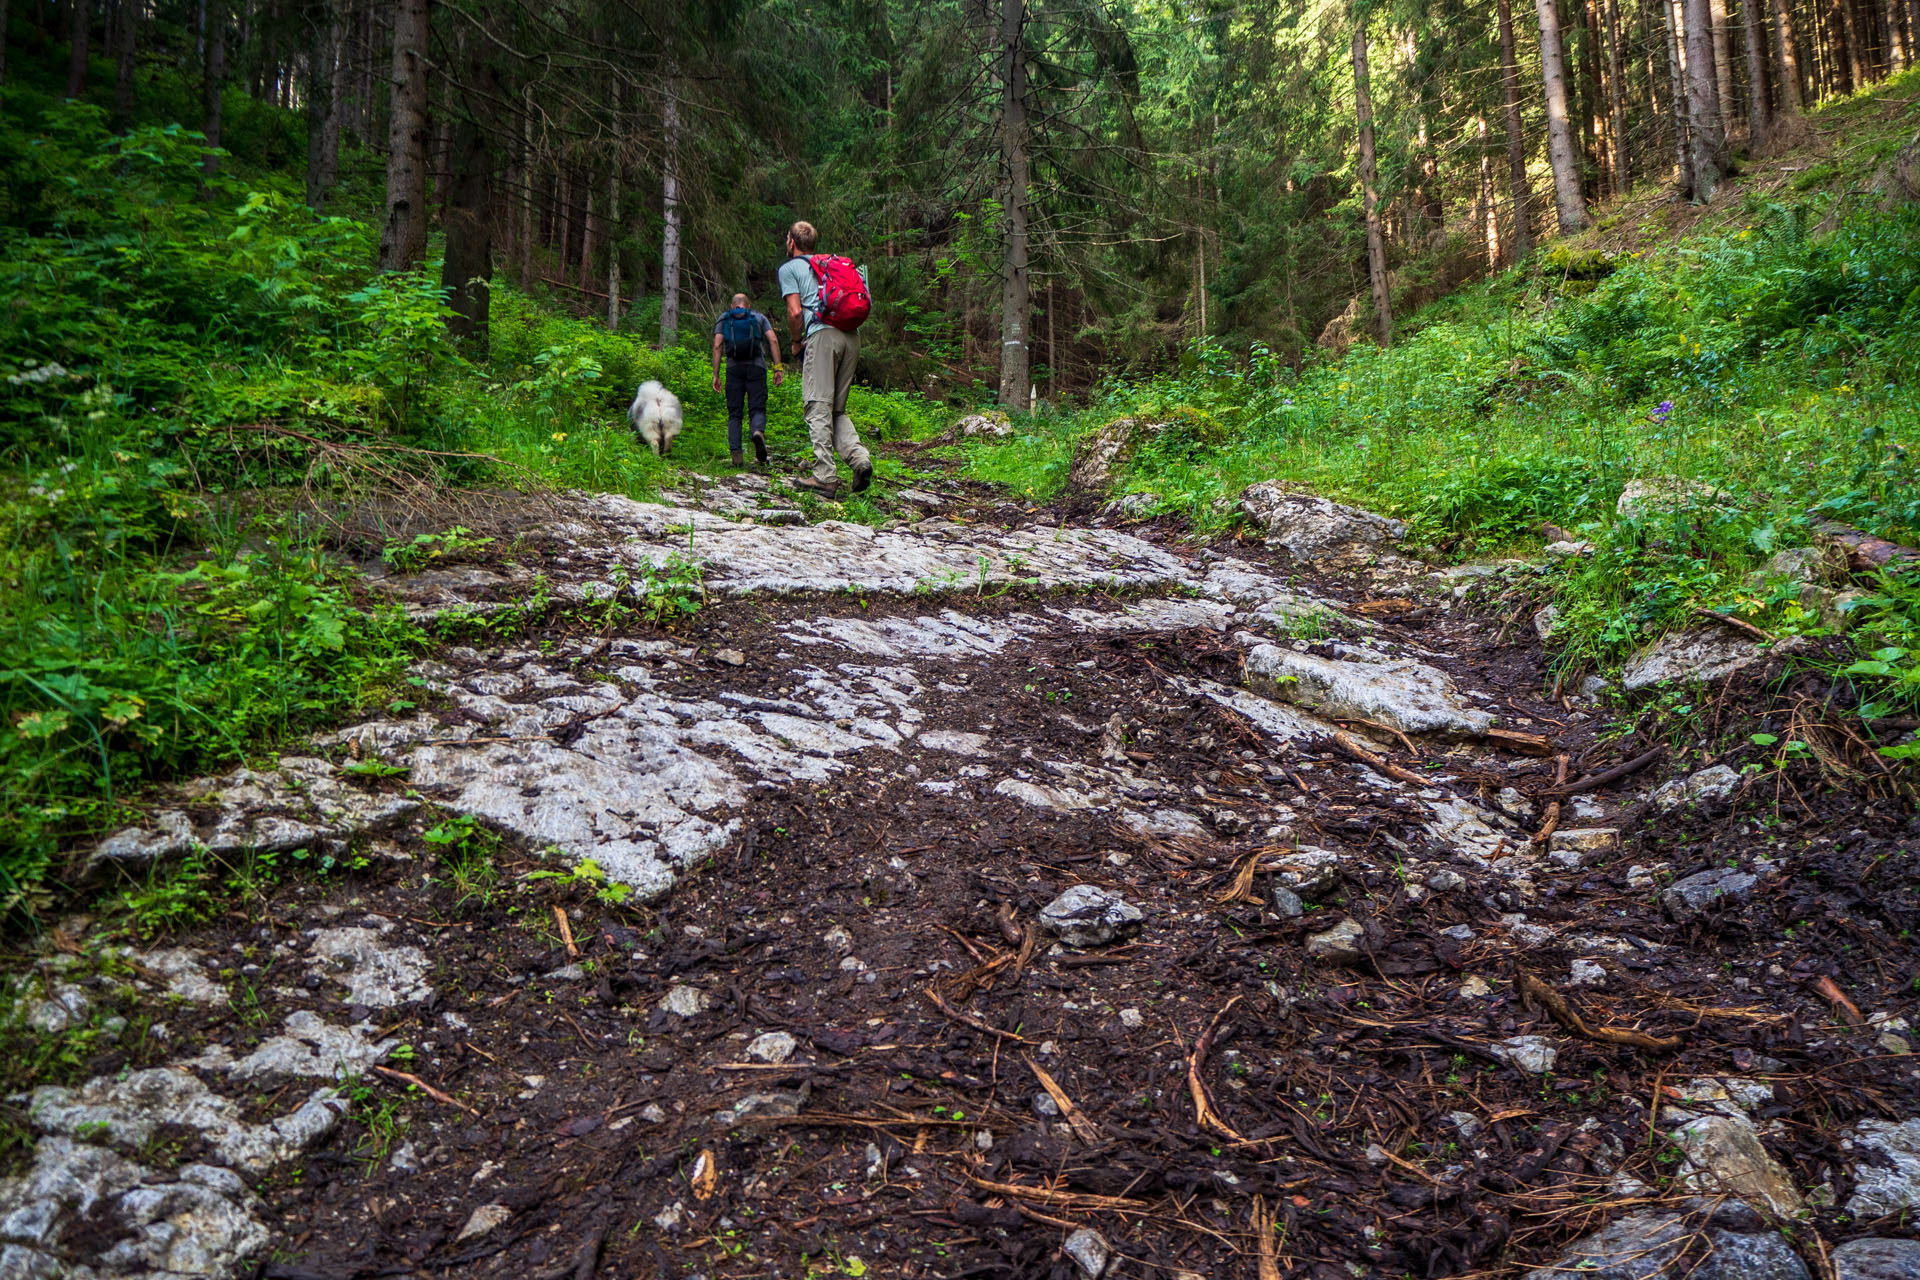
column 826, row 373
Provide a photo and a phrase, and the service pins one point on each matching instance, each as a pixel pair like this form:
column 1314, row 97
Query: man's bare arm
column 774, row 339
column 796, row 318
column 716, row 362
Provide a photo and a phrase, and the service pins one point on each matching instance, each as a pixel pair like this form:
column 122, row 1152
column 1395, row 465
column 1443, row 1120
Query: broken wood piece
column 1392, row 604
column 1538, row 994
column 1531, row 744
column 407, row 1077
column 1240, row 889
column 1545, row 832
column 1595, row 781
column 1064, row 1199
column 1203, row 1113
column 1845, row 1009
column 1862, row 552
column 566, row 932
column 1738, row 624
column 939, row 1002
column 1084, row 1129
column 1346, row 743
column 1263, row 1238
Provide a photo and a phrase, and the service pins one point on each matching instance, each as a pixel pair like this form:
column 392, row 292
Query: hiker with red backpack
column 827, row 298
column 745, row 339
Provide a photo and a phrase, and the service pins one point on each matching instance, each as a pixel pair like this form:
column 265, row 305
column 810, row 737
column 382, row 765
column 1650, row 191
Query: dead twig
column 1063, row 1199
column 566, row 932
column 407, row 1077
column 1346, row 743
column 1086, row 1130
column 1263, row 1238
column 1846, row 1010
column 1595, row 781
column 1203, row 1113
column 967, row 1019
column 1545, row 832
column 1537, row 993
column 1738, row 624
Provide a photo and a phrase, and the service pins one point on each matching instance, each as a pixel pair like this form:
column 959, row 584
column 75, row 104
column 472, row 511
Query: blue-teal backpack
column 740, row 334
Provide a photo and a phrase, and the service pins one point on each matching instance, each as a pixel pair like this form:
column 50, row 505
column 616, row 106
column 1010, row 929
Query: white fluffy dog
column 655, row 415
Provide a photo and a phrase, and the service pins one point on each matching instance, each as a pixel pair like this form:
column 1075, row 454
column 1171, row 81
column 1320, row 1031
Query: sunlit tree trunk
column 1015, row 359
column 1516, row 138
column 1370, row 189
column 670, row 216
column 1898, row 54
column 1787, row 55
column 1561, row 151
column 403, row 244
column 1707, row 142
column 1617, row 100
column 1722, row 65
column 1759, row 108
column 614, row 225
column 1677, row 93
column 1856, row 62
column 79, row 31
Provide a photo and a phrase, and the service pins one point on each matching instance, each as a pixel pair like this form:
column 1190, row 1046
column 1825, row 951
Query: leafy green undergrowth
column 205, row 392
column 1769, row 363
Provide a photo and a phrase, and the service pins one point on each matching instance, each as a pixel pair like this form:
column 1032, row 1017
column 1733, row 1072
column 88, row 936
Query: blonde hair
column 804, row 236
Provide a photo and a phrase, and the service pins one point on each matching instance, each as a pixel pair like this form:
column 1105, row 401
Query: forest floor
column 807, row 1015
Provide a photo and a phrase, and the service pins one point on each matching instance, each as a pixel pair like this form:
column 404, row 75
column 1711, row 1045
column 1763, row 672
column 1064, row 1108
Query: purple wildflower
column 1661, row 410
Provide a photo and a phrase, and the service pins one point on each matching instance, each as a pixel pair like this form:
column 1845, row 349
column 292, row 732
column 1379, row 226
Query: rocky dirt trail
column 995, row 894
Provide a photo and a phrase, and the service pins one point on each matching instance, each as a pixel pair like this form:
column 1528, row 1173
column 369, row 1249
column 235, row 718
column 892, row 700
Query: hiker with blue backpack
column 745, row 338
column 827, row 299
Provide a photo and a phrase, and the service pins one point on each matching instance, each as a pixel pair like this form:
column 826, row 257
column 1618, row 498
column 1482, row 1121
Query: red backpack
column 844, row 300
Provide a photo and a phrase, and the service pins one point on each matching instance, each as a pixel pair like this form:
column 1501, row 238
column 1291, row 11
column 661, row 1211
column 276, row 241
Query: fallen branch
column 1545, row 832
column 1595, row 781
column 1535, row 992
column 1346, row 743
column 1738, row 624
column 1531, row 744
column 1086, row 1130
column 566, row 932
column 1263, row 1238
column 1405, row 741
column 407, row 1077
column 1064, row 1199
column 967, row 1019
column 1203, row 1113
column 1847, row 1010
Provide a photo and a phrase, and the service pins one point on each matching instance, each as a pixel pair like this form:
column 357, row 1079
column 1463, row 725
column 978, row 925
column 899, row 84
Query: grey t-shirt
column 761, row 349
column 796, row 276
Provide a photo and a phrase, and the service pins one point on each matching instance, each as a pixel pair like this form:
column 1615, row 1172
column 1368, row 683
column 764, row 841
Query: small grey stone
column 404, row 1158
column 1533, row 1054
column 686, row 1001
column 1087, row 915
column 1685, row 899
column 1287, row 902
column 1877, row 1260
column 1089, row 1251
column 1446, row 880
column 482, row 1220
column 772, row 1046
column 1586, row 973
column 1468, row 1124
column 1594, row 686
column 1458, row 932
column 1706, row 791
column 1891, row 1043
column 1585, row 840
column 1132, row 1019
column 1665, row 1246
column 732, row 657
column 1344, row 943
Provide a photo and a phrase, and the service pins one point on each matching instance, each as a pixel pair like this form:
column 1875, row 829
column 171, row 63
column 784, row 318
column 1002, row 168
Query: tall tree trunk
column 403, row 244
column 321, row 117
column 1898, row 53
column 1708, row 142
column 1677, row 93
column 1016, row 359
column 1786, row 52
column 1483, row 209
column 79, row 30
column 1585, row 73
column 614, row 225
column 1561, row 153
column 126, row 38
column 586, row 236
column 213, row 82
column 1617, row 101
column 466, row 273
column 1759, row 109
column 1516, row 138
column 529, row 236
column 1370, row 189
column 670, row 216
column 1722, row 65
column 3, row 41
column 1856, row 62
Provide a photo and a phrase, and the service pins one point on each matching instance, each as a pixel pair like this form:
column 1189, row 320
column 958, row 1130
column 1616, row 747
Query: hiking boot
column 760, row 447
column 820, row 488
column 862, row 477
column 738, row 459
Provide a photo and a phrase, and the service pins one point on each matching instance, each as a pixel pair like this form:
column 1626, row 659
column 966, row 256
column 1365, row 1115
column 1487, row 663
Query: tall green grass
column 1766, row 361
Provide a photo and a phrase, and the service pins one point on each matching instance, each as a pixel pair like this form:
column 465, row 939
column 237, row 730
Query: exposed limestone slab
column 376, row 975
column 1724, row 1156
column 1888, row 1181
column 1699, row 656
column 1316, row 530
column 1359, row 683
column 313, row 1048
